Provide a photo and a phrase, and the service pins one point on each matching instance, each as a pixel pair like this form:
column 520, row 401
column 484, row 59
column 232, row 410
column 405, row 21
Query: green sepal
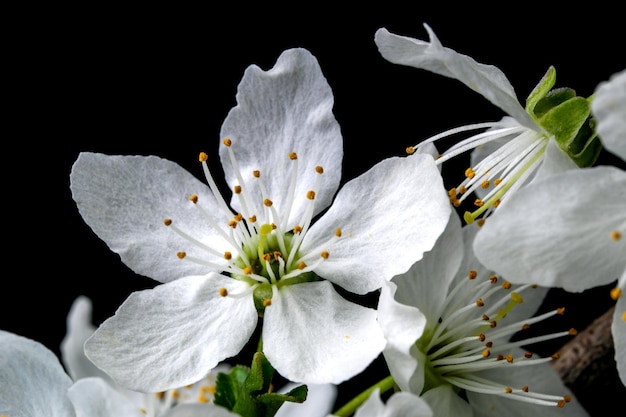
column 540, row 90
column 247, row 390
column 273, row 400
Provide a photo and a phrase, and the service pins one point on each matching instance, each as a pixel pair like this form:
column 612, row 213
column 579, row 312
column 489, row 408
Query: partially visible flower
column 571, row 237
column 450, row 327
column 552, row 129
column 400, row 404
column 33, row 382
column 275, row 252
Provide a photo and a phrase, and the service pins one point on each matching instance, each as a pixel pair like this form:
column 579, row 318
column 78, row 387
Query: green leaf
column 273, row 400
column 228, row 386
column 261, row 374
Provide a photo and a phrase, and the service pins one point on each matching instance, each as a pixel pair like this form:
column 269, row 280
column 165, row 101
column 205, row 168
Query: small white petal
column 79, row 329
column 555, row 161
column 618, row 330
column 557, row 232
column 96, row 397
column 33, row 382
column 125, row 199
column 286, row 109
column 487, row 80
column 174, row 334
column 609, row 108
column 389, row 217
column 402, row 326
column 313, row 335
column 444, row 401
column 400, row 404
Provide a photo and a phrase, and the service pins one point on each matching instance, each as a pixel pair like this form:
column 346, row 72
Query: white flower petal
column 174, row 334
column 539, row 378
column 444, row 401
column 618, row 330
column 283, row 110
column 555, row 161
column 402, row 326
column 79, row 329
column 400, row 404
column 426, row 284
column 96, row 397
column 199, row 410
column 487, row 80
column 389, row 217
column 33, row 382
column 313, row 335
column 557, row 232
column 609, row 108
column 372, row 407
column 125, row 199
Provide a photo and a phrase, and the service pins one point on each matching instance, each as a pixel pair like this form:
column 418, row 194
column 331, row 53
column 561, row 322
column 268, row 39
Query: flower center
column 500, row 173
column 262, row 249
column 160, row 404
column 473, row 334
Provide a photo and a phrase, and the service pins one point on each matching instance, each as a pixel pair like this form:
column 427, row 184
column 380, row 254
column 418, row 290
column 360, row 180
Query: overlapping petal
column 311, row 334
column 609, row 107
column 174, row 334
column 400, row 404
column 432, row 56
column 125, row 199
column 558, row 235
column 389, row 216
column 283, row 110
column 618, row 330
column 33, row 382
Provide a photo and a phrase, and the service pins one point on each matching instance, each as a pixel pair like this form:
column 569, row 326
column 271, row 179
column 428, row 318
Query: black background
column 160, row 80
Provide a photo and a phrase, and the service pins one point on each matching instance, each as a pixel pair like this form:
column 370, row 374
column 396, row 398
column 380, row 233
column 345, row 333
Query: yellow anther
column 267, row 202
column 528, row 355
column 319, row 169
column 277, row 255
column 167, row 222
column 159, row 395
column 555, row 356
column 478, row 202
column 506, row 285
column 615, row 235
column 267, row 302
column 203, row 157
column 624, row 316
column 181, row 255
column 489, row 344
column 452, row 192
column 247, row 270
column 223, row 292
column 485, row 184
column 616, row 293
column 496, row 203
column 455, row 202
column 508, row 390
column 227, row 142
column 297, row 229
column 481, row 337
column 462, row 189
column 499, row 357
column 233, row 224
column 301, row 265
column 325, row 254
column 193, row 198
column 237, row 189
column 567, row 398
column 175, row 393
column 525, row 388
column 252, row 219
column 141, row 410
column 493, row 324
column 208, row 389
column 238, row 217
column 293, row 156
column 525, row 326
column 256, row 173
column 274, row 227
column 517, row 297
column 560, row 403
column 485, row 317
column 202, row 399
column 480, row 302
column 228, row 256
column 338, row 232
column 267, row 257
column 480, row 222
column 509, row 358
column 497, row 181
column 560, row 311
column 472, row 274
column 469, row 173
column 310, row 195
column 486, row 353
column 410, row 150
column 572, row 332
column 493, row 279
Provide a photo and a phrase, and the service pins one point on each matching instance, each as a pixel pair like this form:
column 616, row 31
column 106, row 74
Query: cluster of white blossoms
column 454, row 299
